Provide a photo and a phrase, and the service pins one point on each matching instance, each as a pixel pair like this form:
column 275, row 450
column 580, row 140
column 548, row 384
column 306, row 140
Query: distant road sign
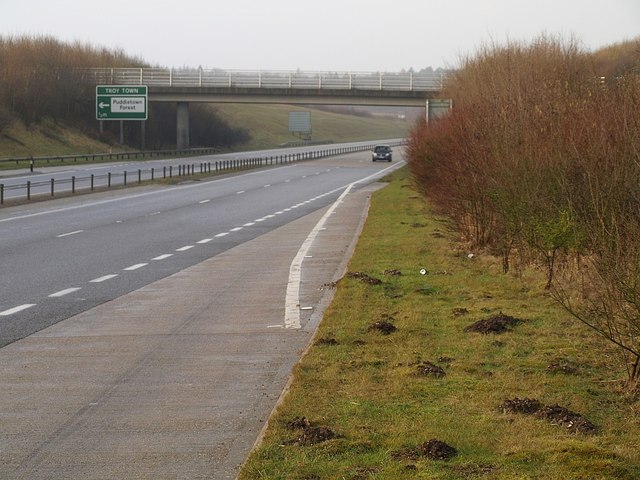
column 121, row 102
column 300, row 122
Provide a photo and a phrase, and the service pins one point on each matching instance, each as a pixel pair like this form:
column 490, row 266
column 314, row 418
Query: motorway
column 146, row 333
column 103, row 174
column 58, row 260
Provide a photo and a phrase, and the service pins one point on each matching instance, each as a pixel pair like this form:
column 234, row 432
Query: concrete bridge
column 184, row 86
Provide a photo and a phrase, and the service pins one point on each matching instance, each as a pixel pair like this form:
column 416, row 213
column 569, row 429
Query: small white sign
column 128, row 104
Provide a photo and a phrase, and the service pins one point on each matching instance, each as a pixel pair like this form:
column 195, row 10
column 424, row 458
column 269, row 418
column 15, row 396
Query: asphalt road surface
column 84, row 174
column 145, row 332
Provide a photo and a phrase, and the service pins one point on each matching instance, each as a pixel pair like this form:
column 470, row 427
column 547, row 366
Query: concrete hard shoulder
column 176, row 379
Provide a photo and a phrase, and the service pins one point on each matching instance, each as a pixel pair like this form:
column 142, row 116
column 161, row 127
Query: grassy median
column 431, row 363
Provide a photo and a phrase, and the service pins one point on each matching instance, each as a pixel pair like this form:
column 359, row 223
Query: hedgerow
column 539, row 162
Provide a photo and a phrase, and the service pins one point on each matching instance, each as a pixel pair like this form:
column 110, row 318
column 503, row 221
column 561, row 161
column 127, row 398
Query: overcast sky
column 336, row 35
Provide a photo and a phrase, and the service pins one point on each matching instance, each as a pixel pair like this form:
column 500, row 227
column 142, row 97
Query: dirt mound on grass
column 428, row 369
column 497, row 324
column 382, row 326
column 393, row 272
column 298, row 423
column 432, row 449
column 573, row 422
column 521, row 405
column 563, row 365
column 311, row 434
column 437, row 450
column 364, row 278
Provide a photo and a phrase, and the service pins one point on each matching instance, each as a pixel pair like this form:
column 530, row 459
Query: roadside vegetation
column 41, row 81
column 539, row 164
column 432, row 363
column 461, row 342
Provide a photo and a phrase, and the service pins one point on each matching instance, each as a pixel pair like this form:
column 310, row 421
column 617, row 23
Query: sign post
column 121, row 102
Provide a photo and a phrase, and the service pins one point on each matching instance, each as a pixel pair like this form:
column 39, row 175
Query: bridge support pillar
column 182, row 126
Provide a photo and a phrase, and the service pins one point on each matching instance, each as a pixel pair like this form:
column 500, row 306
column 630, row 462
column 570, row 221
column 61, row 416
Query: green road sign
column 121, row 102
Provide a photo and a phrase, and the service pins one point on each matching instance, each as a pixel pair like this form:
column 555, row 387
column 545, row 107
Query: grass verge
column 364, row 404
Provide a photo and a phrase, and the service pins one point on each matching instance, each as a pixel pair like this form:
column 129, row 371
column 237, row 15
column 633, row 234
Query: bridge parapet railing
column 401, row 81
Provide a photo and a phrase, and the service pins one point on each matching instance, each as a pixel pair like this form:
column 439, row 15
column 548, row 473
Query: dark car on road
column 381, row 152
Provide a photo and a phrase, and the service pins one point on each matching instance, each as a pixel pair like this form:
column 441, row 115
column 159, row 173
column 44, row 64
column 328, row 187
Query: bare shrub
column 540, row 162
column 41, row 77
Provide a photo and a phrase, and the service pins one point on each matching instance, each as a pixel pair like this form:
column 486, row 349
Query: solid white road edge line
column 292, row 297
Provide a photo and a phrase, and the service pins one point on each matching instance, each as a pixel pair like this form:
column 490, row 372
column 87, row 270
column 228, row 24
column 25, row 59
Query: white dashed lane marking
column 70, row 233
column 135, row 267
column 64, row 292
column 103, row 278
column 17, row 309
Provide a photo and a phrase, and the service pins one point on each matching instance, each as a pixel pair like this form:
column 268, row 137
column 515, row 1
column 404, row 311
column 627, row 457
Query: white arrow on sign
column 103, row 105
